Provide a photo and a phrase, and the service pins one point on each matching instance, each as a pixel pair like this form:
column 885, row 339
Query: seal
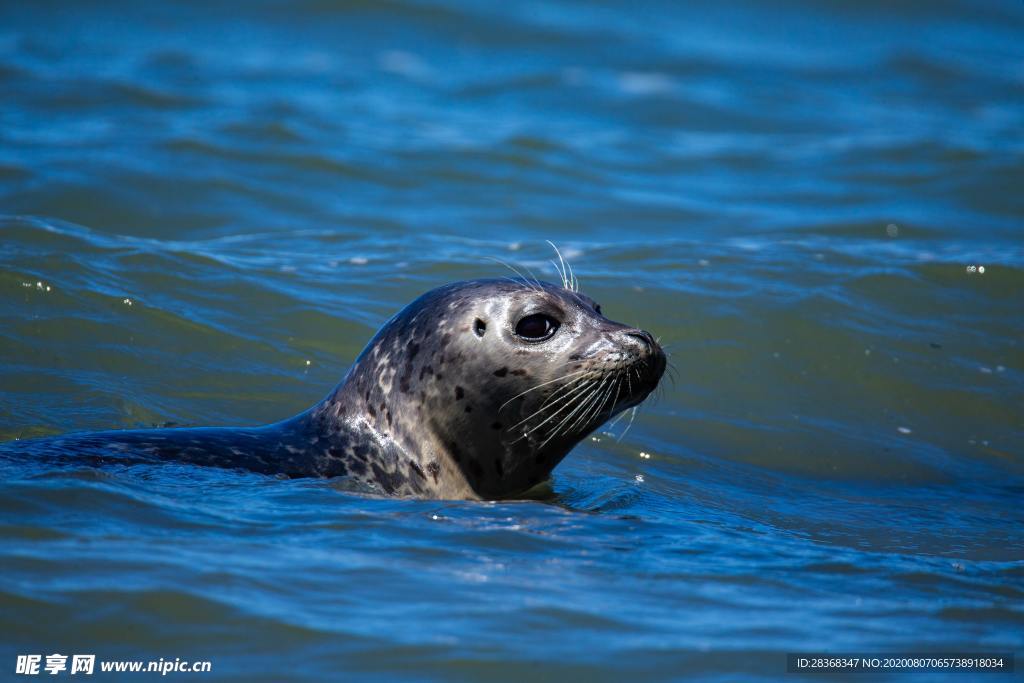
column 475, row 390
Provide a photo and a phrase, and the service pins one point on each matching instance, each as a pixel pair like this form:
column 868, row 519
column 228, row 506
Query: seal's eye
column 597, row 309
column 537, row 327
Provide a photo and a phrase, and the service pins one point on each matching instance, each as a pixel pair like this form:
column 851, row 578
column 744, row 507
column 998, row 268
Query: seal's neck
column 477, row 460
column 385, row 441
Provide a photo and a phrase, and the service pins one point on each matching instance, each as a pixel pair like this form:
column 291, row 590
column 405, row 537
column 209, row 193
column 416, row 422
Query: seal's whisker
column 573, row 283
column 639, row 377
column 561, row 275
column 611, row 406
column 512, row 280
column 562, row 268
column 576, row 387
column 618, row 418
column 572, row 278
column 581, row 406
column 525, row 279
column 595, row 409
column 595, row 390
column 618, row 388
column 632, row 416
column 584, row 405
column 561, row 393
column 592, row 414
column 566, row 282
column 672, row 372
column 658, row 394
column 543, row 384
column 579, row 391
column 533, row 275
column 579, row 399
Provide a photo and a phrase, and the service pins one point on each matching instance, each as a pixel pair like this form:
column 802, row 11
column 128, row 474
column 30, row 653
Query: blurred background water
column 209, row 208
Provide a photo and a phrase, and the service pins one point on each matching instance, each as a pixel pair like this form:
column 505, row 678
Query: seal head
column 486, row 385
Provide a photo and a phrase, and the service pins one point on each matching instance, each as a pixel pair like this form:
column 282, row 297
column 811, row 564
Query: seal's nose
column 645, row 338
column 652, row 355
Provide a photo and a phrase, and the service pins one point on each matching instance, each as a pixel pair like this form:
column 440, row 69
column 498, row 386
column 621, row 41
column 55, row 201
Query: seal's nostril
column 644, row 337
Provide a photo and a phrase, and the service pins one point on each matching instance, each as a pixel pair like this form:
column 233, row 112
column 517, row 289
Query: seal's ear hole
column 479, row 327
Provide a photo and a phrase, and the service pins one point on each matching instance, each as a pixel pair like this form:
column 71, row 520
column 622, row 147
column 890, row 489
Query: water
column 210, row 209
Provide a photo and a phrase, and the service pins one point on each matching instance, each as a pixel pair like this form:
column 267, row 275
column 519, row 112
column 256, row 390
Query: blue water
column 206, row 210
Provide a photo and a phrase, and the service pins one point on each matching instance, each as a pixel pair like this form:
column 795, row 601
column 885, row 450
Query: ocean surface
column 208, row 208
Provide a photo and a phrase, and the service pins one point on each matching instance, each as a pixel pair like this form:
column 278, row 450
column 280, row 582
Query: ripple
column 211, row 210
